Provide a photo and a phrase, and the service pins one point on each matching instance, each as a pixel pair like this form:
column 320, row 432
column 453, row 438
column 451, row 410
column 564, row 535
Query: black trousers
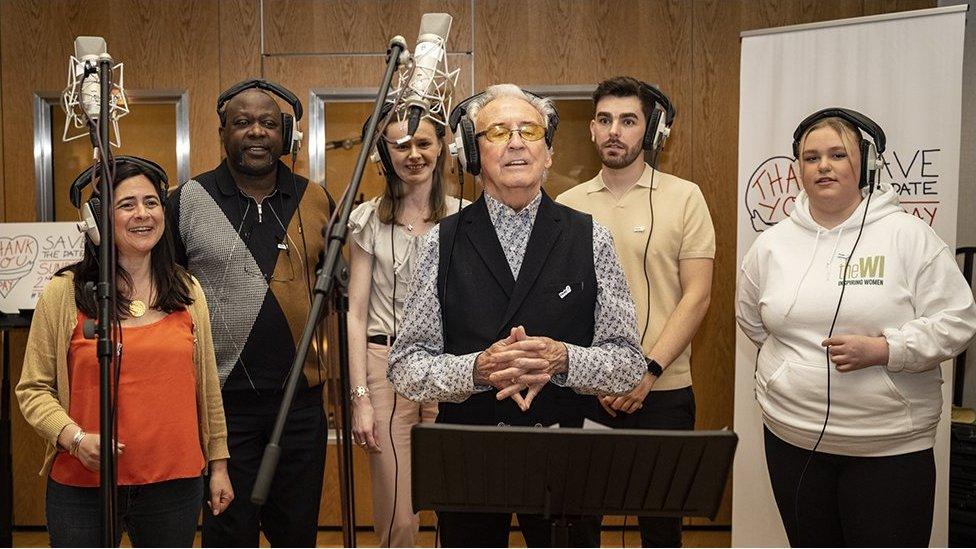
column 289, row 517
column 848, row 501
column 492, row 530
column 667, row 410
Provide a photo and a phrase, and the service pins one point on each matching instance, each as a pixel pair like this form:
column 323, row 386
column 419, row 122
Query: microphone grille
column 90, row 46
column 438, row 24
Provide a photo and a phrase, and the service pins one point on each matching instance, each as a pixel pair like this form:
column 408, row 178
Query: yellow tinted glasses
column 499, row 133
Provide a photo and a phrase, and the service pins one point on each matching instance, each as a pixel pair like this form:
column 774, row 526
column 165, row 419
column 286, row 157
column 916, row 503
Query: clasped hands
column 518, row 363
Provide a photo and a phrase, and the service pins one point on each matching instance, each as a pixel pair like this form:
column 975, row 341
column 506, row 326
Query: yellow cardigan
column 43, row 389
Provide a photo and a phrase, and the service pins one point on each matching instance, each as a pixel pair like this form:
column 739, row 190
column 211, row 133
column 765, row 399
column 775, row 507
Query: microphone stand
column 333, row 272
column 105, row 297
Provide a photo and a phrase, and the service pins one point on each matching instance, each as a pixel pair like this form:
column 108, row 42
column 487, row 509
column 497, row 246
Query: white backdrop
column 902, row 70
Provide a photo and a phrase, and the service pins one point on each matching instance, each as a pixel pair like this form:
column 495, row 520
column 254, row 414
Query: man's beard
column 618, row 162
column 252, row 170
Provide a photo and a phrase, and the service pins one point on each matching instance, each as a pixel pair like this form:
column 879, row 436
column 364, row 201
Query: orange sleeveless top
column 157, row 404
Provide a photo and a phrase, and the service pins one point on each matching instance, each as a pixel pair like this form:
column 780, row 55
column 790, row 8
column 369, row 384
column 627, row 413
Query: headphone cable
column 396, row 462
column 647, row 244
column 830, row 333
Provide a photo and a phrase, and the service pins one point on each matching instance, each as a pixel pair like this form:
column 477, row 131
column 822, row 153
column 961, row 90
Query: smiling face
column 139, row 219
column 829, row 169
column 617, row 129
column 515, row 165
column 251, row 133
column 415, row 160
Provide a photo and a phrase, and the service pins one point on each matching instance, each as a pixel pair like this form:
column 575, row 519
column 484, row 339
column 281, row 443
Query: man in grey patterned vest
column 250, row 231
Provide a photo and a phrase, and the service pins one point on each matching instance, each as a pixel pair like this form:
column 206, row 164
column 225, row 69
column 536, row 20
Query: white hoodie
column 903, row 283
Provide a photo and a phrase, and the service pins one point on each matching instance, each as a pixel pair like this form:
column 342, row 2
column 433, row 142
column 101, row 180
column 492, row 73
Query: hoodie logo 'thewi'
column 863, row 271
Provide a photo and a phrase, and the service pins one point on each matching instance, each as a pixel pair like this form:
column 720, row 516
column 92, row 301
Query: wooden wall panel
column 874, row 7
column 761, row 14
column 41, row 66
column 240, row 41
column 163, row 46
column 564, row 42
column 715, row 113
column 28, row 448
column 351, row 26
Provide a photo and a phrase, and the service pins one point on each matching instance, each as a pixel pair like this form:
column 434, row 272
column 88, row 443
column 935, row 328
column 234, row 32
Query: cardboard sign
column 30, row 254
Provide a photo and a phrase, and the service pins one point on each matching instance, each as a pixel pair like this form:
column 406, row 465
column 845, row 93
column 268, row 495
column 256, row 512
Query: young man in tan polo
column 664, row 237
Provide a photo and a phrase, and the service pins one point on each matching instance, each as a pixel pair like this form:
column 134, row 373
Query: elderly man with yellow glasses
column 518, row 306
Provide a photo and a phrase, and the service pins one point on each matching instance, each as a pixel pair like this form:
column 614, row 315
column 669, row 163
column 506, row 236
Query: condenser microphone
column 425, row 94
column 89, row 50
column 81, row 99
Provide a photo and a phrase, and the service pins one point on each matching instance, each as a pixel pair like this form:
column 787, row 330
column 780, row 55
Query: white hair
column 491, row 93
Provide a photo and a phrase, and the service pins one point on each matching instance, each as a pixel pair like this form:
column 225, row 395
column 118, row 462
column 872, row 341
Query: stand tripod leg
column 559, row 532
column 345, row 430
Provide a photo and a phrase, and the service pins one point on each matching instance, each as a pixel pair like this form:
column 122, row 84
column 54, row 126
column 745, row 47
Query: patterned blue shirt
column 421, row 371
column 513, row 228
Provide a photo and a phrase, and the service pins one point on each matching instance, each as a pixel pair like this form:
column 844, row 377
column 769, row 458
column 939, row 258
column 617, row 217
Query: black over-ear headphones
column 291, row 136
column 465, row 145
column 382, row 151
column 662, row 117
column 91, row 211
column 871, row 160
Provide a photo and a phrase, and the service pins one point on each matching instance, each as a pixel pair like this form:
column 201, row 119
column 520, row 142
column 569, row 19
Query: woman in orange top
column 169, row 413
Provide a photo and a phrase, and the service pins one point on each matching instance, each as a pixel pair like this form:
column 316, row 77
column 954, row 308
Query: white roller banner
column 902, row 70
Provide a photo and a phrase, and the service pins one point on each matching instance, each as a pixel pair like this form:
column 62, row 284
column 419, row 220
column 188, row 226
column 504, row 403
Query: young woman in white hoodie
column 850, row 393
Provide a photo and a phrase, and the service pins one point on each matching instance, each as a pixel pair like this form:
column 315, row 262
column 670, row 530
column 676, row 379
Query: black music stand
column 564, row 472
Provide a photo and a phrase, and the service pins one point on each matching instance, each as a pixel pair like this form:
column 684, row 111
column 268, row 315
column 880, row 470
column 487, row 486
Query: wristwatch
column 654, row 368
column 358, row 391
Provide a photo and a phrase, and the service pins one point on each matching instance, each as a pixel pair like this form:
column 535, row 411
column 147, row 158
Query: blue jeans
column 162, row 514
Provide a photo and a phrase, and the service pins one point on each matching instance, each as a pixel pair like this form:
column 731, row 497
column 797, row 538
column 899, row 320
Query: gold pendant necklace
column 137, row 308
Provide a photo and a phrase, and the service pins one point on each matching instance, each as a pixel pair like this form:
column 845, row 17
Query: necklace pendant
column 137, row 308
column 409, row 227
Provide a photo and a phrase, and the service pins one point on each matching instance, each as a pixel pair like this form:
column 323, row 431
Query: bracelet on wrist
column 57, row 440
column 76, row 441
column 357, row 392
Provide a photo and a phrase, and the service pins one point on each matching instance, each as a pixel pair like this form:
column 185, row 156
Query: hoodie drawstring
column 806, row 271
column 830, row 258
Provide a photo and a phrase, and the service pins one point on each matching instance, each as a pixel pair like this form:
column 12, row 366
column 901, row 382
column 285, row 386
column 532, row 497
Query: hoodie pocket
column 863, row 403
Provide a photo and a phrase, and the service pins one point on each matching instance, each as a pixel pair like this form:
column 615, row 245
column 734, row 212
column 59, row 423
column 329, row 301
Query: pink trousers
column 390, row 469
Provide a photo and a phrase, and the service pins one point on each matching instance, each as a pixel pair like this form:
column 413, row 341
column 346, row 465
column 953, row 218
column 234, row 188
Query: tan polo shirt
column 682, row 230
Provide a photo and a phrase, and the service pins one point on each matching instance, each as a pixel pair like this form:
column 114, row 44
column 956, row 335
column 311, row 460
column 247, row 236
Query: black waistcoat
column 555, row 296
